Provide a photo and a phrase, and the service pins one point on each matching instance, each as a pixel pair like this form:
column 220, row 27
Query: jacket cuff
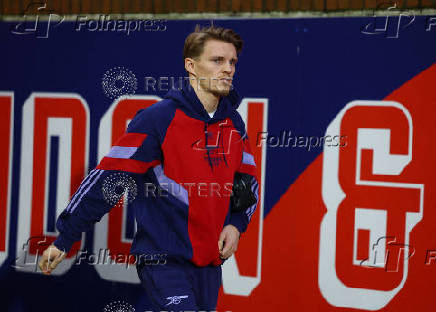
column 239, row 220
column 63, row 243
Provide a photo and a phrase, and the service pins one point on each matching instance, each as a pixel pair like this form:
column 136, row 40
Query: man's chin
column 222, row 91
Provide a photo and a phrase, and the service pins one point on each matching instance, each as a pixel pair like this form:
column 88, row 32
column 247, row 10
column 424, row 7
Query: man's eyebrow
column 234, row 59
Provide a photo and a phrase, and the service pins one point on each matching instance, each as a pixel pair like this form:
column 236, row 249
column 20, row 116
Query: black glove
column 242, row 196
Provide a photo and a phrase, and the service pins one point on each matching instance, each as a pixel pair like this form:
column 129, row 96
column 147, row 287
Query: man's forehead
column 219, row 48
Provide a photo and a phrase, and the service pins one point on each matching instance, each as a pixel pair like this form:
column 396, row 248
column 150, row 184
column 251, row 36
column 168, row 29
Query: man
column 185, row 152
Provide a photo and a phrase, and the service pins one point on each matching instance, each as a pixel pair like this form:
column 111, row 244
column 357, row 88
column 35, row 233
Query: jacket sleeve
column 132, row 155
column 248, row 167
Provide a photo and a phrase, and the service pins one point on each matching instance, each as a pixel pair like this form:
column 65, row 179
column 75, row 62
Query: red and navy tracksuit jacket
column 183, row 163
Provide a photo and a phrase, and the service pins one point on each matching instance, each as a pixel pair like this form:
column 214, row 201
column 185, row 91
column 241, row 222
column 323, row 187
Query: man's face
column 215, row 68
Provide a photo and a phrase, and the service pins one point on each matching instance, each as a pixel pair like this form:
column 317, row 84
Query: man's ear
column 190, row 65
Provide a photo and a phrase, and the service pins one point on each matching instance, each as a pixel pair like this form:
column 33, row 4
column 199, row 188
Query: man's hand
column 50, row 259
column 228, row 241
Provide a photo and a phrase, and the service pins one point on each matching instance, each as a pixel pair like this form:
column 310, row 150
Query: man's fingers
column 226, row 249
column 230, row 246
column 221, row 241
column 50, row 259
column 220, row 245
column 54, row 263
column 57, row 260
column 228, row 242
column 227, row 253
column 42, row 264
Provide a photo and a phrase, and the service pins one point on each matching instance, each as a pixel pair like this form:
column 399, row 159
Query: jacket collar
column 191, row 104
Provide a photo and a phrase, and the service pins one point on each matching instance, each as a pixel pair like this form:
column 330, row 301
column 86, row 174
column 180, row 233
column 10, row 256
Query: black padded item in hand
column 242, row 196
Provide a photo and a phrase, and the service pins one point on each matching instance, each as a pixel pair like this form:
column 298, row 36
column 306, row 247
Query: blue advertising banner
column 70, row 86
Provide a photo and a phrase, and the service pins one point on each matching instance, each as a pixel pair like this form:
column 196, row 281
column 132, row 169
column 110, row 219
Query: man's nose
column 228, row 68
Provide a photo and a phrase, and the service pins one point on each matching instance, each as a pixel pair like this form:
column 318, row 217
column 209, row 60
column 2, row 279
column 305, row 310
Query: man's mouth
column 226, row 80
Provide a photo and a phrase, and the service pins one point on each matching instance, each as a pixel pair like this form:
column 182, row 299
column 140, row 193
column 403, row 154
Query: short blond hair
column 194, row 43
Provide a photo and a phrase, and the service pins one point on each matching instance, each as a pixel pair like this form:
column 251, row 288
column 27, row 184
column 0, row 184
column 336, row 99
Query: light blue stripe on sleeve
column 121, row 152
column 170, row 185
column 248, row 159
column 99, row 173
column 83, row 185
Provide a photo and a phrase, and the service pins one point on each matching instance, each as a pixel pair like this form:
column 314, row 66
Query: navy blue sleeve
column 121, row 169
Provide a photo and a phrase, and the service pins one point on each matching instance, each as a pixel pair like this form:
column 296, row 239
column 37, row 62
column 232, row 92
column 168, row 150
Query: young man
column 185, row 153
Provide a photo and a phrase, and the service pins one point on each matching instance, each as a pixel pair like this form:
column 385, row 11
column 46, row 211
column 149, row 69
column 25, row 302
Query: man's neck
column 209, row 100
